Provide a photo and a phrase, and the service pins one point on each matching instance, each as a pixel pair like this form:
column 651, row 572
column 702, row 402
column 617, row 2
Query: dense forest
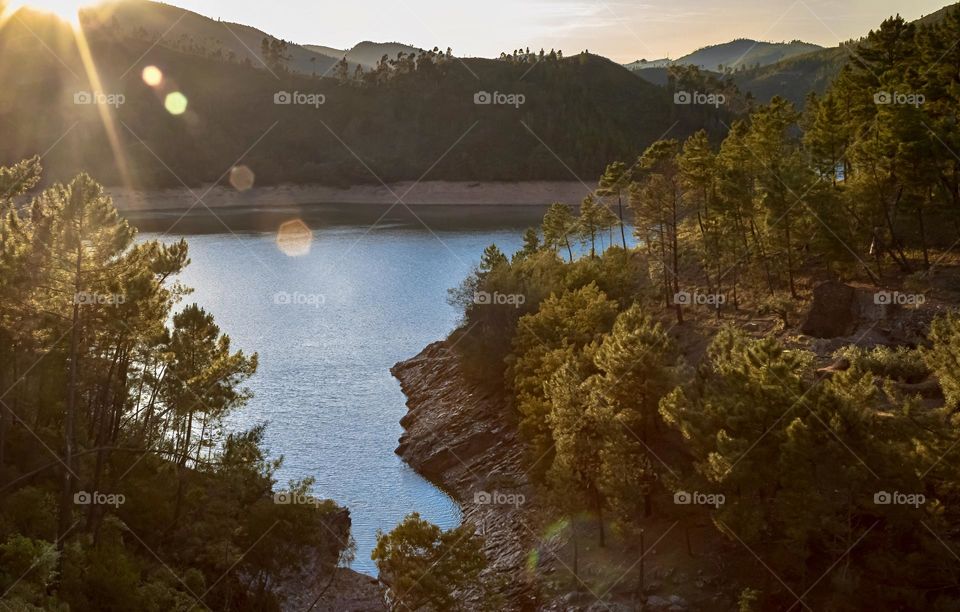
column 400, row 117
column 838, row 479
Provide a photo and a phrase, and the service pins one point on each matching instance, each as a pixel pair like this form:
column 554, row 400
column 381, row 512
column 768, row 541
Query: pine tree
column 491, row 259
column 594, row 218
column 543, row 343
column 737, row 204
column 656, row 201
column 578, row 435
column 638, row 366
column 698, row 171
column 943, row 356
column 782, row 179
column 615, row 181
column 941, row 89
column 558, row 225
column 424, row 566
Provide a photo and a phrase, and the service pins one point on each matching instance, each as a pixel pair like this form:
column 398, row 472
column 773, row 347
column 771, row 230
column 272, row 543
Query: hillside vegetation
column 734, row 55
column 367, row 53
column 119, row 489
column 789, row 70
column 648, row 393
column 196, row 34
column 406, row 117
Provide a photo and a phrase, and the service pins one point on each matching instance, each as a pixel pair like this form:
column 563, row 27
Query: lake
column 330, row 307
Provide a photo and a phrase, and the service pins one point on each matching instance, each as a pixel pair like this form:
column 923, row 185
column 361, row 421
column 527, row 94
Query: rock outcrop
column 834, row 312
column 350, row 591
column 458, row 436
column 315, row 587
column 842, row 314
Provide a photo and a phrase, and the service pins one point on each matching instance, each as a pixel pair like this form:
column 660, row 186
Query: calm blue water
column 324, row 383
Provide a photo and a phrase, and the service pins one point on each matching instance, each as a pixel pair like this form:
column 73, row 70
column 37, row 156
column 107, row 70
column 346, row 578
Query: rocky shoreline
column 456, row 435
column 459, row 436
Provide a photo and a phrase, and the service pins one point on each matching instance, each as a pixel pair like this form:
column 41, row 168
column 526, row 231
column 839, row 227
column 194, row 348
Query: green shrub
column 901, row 364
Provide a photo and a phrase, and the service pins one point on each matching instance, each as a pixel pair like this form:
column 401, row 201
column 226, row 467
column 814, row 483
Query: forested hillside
column 672, row 382
column 795, row 77
column 399, row 119
column 119, row 489
column 735, row 55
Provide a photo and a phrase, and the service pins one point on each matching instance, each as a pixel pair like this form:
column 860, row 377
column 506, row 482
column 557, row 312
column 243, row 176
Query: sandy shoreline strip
column 433, row 193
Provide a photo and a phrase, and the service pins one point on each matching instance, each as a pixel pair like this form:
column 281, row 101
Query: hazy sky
column 619, row 29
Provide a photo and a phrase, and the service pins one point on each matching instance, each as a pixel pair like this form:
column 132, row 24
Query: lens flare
column 294, row 238
column 175, row 103
column 152, row 76
column 67, row 10
column 241, row 178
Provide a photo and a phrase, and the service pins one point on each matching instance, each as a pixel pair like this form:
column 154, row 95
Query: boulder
column 834, row 312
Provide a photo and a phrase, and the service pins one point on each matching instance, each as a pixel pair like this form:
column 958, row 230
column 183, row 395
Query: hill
column 794, row 77
column 935, row 16
column 195, row 34
column 366, row 53
column 745, row 52
column 570, row 115
column 643, row 64
column 732, row 55
column 803, row 69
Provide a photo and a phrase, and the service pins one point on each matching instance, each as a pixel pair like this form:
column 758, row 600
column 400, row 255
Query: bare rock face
column 867, row 317
column 351, row 591
column 834, row 312
column 320, row 585
column 459, row 437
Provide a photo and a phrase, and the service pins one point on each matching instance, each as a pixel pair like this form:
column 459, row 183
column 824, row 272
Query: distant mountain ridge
column 366, row 53
column 795, row 77
column 197, row 34
column 792, row 76
column 742, row 52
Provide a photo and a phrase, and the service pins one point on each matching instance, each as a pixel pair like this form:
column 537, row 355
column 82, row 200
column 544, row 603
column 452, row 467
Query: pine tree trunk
column 676, row 259
column 599, row 505
column 923, row 235
column 576, row 553
column 663, row 264
column 69, row 435
column 623, row 234
column 793, row 288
